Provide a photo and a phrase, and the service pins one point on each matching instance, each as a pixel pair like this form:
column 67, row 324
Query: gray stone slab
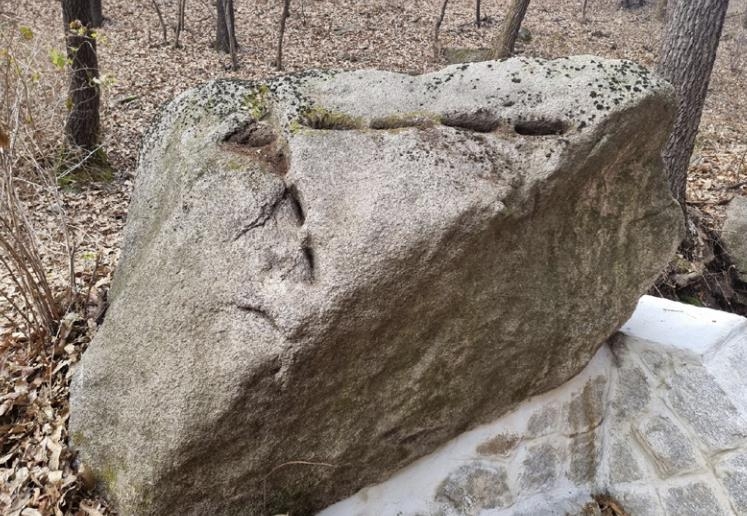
column 543, row 422
column 696, row 499
column 475, row 487
column 584, row 458
column 586, row 408
column 638, row 500
column 698, row 399
column 733, row 475
column 624, row 466
column 656, row 361
column 540, row 468
column 499, row 446
column 668, row 446
column 631, row 392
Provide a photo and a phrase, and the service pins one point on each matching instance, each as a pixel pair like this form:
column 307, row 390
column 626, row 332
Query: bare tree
column 504, row 45
column 437, row 28
column 179, row 27
column 688, row 51
column 283, row 17
column 583, row 11
column 97, row 18
column 82, row 127
column 161, row 22
column 225, row 36
column 478, row 16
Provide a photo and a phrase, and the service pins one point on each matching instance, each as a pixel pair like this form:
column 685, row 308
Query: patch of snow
column 678, row 325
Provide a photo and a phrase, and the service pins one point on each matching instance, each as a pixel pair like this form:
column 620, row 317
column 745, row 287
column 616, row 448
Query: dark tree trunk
column 181, row 6
column 82, row 127
column 225, row 36
column 97, row 18
column 505, row 44
column 437, row 28
column 688, row 51
column 478, row 15
column 161, row 22
column 281, row 33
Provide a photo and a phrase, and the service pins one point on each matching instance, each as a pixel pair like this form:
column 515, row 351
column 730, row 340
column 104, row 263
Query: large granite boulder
column 326, row 276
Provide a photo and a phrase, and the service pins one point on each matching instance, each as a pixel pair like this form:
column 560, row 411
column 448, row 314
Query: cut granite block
column 475, row 487
column 698, row 399
column 696, row 499
column 668, row 446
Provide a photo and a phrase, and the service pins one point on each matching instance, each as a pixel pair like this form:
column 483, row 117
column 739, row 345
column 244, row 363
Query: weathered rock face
column 734, row 235
column 326, row 276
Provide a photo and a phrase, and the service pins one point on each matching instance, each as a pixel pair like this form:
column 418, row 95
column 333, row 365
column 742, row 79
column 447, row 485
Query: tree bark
column 437, row 28
column 82, row 126
column 225, row 36
column 478, row 16
column 97, row 18
column 688, row 51
column 161, row 22
column 283, row 17
column 505, row 44
column 661, row 10
column 181, row 6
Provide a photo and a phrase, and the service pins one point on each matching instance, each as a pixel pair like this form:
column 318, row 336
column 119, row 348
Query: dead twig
column 436, row 29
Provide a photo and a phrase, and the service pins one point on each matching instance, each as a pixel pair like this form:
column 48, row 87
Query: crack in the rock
column 308, row 254
column 267, row 211
column 260, row 312
column 296, row 204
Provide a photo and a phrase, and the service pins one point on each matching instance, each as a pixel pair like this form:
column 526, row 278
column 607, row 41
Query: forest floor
column 38, row 473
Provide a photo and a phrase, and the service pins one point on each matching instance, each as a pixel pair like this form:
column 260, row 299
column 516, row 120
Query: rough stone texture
column 539, row 468
column 649, row 459
column 733, row 475
column 584, row 454
column 586, row 408
column 633, row 392
column 326, row 276
column 500, row 445
column 543, row 422
column 623, row 464
column 699, row 400
column 696, row 499
column 638, row 501
column 733, row 234
column 474, row 487
column 668, row 445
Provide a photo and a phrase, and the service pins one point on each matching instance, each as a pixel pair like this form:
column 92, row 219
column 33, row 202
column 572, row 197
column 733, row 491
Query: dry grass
column 44, row 297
